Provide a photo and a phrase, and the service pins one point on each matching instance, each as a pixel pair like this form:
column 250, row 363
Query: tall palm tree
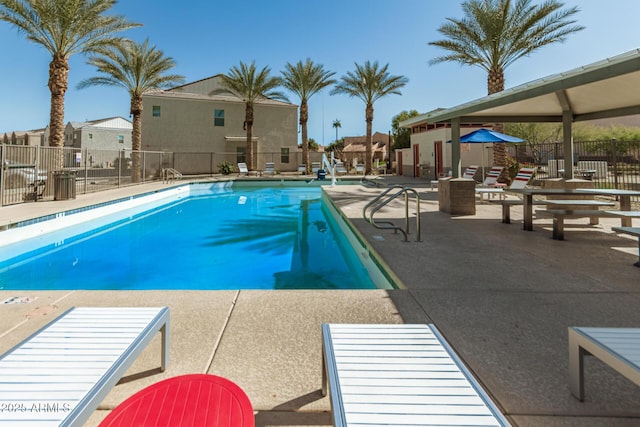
column 369, row 82
column 251, row 85
column 495, row 33
column 64, row 28
column 336, row 124
column 305, row 80
column 138, row 68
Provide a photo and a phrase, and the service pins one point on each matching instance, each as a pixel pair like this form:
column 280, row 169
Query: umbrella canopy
column 486, row 135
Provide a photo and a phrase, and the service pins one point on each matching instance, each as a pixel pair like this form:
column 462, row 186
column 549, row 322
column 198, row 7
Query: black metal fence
column 29, row 173
column 610, row 164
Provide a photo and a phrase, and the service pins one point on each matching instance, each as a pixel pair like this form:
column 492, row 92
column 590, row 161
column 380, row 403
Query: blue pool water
column 244, row 238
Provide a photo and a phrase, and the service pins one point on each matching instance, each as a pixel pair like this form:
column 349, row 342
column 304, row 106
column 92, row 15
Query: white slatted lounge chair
column 315, row 167
column 360, row 168
column 400, row 375
column 302, row 169
column 340, row 168
column 269, row 168
column 470, row 172
column 492, row 176
column 72, row 363
column 521, row 180
column 242, row 169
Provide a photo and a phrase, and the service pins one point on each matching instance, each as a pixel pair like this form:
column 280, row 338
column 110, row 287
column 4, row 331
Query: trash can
column 64, row 184
column 321, row 174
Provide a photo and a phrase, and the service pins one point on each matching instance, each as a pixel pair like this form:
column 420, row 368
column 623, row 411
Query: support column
column 455, row 147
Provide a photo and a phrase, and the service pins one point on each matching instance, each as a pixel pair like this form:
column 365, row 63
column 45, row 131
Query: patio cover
column 604, row 89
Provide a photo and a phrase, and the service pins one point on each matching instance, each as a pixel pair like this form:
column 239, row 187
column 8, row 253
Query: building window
column 156, row 111
column 284, row 155
column 121, row 139
column 218, row 117
column 241, row 156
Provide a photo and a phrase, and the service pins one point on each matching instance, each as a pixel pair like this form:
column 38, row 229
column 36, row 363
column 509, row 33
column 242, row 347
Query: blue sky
column 208, row 37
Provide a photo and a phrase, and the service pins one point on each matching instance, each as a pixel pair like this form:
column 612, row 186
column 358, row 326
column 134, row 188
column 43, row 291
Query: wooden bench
column 634, row 231
column 559, row 215
column 70, row 365
column 396, row 374
column 617, row 347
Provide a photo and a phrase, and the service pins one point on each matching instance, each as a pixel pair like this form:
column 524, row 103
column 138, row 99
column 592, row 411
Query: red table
column 186, row 401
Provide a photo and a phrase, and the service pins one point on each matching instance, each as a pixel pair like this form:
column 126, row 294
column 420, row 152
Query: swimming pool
column 197, row 236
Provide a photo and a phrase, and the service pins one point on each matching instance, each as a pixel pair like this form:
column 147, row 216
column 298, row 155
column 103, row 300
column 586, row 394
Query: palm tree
column 369, row 83
column 336, row 124
column 138, row 68
column 251, row 85
column 64, row 28
column 305, row 80
column 495, row 33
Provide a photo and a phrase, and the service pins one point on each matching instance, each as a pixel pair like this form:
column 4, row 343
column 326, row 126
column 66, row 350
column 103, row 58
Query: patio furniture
column 195, row 400
column 340, row 168
column 360, row 168
column 315, row 167
column 492, row 176
column 470, row 172
column 559, row 215
column 302, row 169
column 398, row 374
column 75, row 361
column 617, row 347
column 242, row 169
column 634, row 231
column 269, row 168
column 521, row 180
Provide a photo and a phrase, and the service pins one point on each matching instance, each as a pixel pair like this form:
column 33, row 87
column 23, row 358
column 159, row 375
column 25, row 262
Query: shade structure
column 485, row 135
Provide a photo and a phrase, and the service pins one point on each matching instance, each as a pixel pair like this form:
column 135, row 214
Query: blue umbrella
column 486, row 135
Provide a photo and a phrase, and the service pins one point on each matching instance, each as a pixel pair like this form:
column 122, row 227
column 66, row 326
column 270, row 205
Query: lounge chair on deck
column 269, row 168
column 302, row 169
column 75, row 361
column 242, row 169
column 186, row 400
column 315, row 167
column 521, row 180
column 399, row 374
column 492, row 176
column 470, row 172
column 340, row 168
column 360, row 168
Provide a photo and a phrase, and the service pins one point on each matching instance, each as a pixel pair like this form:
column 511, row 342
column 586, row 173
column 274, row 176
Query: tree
column 402, row 136
column 64, row 28
column 305, row 80
column 495, row 33
column 250, row 85
column 313, row 145
column 369, row 82
column 138, row 68
column 336, row 125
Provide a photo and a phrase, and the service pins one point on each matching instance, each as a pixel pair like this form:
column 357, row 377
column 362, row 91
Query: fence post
column 614, row 161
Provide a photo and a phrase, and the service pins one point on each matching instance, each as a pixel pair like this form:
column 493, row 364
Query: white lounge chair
column 75, row 361
column 302, row 169
column 360, row 168
column 399, row 374
column 315, row 167
column 492, row 176
column 521, row 180
column 242, row 169
column 340, row 168
column 470, row 172
column 269, row 168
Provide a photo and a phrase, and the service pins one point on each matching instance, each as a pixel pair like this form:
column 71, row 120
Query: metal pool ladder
column 384, row 199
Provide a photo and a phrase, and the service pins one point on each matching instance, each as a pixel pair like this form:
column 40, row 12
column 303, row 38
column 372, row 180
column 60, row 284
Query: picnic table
column 528, row 193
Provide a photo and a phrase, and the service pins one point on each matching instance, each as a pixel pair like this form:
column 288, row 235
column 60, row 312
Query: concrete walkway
column 502, row 297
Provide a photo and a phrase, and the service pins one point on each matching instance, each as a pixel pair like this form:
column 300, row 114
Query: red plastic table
column 195, row 400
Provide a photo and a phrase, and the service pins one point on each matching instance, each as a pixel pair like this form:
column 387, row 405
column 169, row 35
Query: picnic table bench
column 559, row 215
column 617, row 347
column 507, row 203
column 634, row 231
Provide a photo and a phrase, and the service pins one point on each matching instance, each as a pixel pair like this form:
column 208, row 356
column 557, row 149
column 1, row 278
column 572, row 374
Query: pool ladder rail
column 387, row 197
column 170, row 174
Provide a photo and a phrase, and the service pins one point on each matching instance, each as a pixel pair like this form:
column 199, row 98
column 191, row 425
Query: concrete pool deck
column 501, row 296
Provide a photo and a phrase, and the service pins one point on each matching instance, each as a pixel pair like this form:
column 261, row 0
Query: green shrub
column 226, row 168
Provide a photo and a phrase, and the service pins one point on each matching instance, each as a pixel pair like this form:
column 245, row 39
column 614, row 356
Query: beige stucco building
column 189, row 119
